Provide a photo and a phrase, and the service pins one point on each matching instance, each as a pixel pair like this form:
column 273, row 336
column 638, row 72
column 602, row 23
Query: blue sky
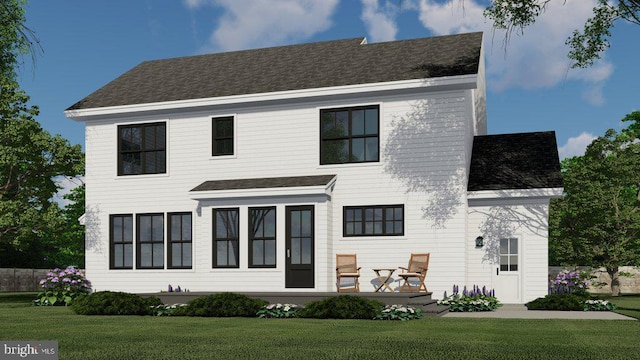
column 530, row 86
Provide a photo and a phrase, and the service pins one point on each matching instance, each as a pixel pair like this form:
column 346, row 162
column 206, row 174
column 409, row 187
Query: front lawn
column 628, row 305
column 138, row 337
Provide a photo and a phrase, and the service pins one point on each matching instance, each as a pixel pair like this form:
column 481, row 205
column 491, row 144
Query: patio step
column 428, row 305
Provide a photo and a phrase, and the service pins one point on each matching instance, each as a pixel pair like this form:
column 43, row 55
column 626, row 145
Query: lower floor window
column 377, row 220
column 150, row 241
column 225, row 238
column 179, row 248
column 262, row 237
column 121, row 242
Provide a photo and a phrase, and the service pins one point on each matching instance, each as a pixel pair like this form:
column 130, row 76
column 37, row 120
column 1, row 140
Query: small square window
column 223, row 137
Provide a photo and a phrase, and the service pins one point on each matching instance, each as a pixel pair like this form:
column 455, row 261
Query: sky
column 530, row 85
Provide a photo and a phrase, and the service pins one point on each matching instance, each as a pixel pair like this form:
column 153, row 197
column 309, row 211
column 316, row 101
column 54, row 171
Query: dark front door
column 300, row 244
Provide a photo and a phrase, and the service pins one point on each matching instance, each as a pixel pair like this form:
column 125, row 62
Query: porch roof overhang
column 264, row 187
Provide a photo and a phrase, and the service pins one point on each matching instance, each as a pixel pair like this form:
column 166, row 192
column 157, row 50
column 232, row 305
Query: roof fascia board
column 543, row 193
column 431, row 84
column 265, row 192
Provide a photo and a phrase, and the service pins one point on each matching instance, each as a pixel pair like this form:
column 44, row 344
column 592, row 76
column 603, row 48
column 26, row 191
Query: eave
column 462, row 82
column 474, row 197
column 257, row 193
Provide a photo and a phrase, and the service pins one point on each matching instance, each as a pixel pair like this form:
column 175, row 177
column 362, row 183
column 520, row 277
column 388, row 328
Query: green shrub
column 558, row 301
column 114, row 303
column 165, row 310
column 341, row 307
column 598, row 305
column 399, row 312
column 221, row 305
column 278, row 311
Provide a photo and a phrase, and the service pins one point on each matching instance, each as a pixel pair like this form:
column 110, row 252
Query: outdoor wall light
column 479, row 241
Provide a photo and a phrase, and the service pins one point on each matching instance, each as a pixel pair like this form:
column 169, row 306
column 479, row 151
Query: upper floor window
column 142, row 149
column 349, row 135
column 374, row 220
column 222, row 142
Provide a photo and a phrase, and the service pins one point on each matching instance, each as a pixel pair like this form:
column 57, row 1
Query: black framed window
column 142, row 149
column 350, row 135
column 150, row 244
column 381, row 220
column 226, row 227
column 180, row 241
column 262, row 237
column 121, row 241
column 222, row 142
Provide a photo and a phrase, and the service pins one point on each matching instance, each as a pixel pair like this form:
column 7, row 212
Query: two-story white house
column 250, row 171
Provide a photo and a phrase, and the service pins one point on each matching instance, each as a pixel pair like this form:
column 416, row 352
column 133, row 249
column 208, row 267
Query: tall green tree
column 70, row 242
column 30, row 157
column 597, row 222
column 586, row 45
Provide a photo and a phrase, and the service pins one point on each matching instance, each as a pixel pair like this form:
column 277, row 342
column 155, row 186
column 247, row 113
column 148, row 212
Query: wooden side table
column 384, row 279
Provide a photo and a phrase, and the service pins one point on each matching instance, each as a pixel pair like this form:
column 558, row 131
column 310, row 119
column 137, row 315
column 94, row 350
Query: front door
column 506, row 276
column 300, row 245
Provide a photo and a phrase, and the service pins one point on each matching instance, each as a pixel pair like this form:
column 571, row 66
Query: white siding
column 425, row 152
column 424, row 147
column 525, row 219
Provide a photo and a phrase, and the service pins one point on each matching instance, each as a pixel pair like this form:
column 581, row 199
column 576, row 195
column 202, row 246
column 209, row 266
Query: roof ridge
column 359, row 39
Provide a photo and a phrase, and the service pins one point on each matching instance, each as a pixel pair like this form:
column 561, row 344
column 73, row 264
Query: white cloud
column 576, row 146
column 452, row 16
column 593, row 95
column 535, row 59
column 379, row 20
column 192, row 4
column 258, row 23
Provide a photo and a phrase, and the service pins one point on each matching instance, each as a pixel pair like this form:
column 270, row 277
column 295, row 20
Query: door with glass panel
column 507, row 273
column 299, row 247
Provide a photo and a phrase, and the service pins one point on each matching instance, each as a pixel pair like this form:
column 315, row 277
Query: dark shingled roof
column 279, row 182
column 515, row 161
column 294, row 67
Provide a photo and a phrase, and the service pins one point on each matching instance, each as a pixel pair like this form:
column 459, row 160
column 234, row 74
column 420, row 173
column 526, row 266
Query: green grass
column 628, row 305
column 138, row 337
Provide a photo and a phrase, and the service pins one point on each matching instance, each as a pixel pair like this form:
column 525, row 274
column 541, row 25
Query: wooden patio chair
column 347, row 267
column 417, row 270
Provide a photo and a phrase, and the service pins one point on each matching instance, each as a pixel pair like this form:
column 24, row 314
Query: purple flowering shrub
column 570, row 281
column 61, row 286
column 476, row 299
